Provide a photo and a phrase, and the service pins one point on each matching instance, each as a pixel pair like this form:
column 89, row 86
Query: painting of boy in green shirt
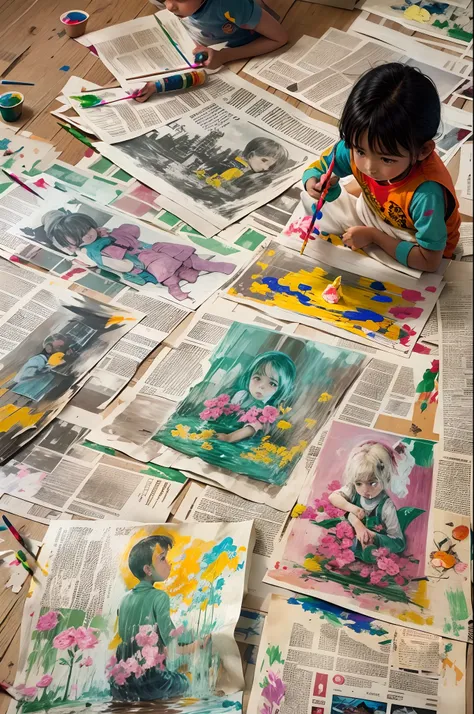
column 138, row 670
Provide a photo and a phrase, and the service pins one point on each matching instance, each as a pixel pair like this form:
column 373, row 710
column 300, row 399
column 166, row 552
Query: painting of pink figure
column 183, row 269
column 361, row 540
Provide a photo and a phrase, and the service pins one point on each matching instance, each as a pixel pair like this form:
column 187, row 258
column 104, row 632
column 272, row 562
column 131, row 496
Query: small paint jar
column 11, row 105
column 74, row 22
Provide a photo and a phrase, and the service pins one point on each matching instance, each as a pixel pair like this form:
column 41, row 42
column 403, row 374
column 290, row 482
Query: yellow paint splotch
column 118, row 319
column 11, row 416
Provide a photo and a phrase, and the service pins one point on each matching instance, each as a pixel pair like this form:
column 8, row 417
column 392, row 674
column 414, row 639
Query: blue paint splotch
column 357, row 623
column 381, row 298
column 64, row 68
column 274, row 285
column 377, row 285
column 363, row 314
column 4, row 144
column 304, row 287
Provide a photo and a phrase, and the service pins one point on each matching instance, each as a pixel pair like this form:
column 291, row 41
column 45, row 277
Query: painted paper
column 261, row 402
column 154, row 624
column 290, row 286
column 225, row 165
column 69, row 335
column 103, row 240
column 318, row 658
column 373, row 534
column 432, row 18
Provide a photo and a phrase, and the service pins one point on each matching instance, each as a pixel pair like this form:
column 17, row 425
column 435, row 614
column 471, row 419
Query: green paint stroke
column 457, row 33
column 274, row 655
column 87, row 100
column 164, row 473
column 457, row 609
column 422, row 451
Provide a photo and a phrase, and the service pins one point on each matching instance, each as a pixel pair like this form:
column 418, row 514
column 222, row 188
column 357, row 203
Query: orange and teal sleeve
column 342, row 167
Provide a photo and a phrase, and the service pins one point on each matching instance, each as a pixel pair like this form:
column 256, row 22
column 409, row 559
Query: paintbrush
column 18, row 537
column 17, row 179
column 175, row 44
column 8, row 689
column 12, row 81
column 324, row 190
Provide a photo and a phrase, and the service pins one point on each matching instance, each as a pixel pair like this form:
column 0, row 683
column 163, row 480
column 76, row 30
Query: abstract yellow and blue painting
column 289, row 286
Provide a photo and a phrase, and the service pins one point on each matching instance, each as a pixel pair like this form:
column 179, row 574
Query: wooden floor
column 34, row 48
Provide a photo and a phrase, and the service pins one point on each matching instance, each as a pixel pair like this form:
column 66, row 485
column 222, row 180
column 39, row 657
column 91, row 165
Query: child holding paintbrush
column 248, row 27
column 408, row 205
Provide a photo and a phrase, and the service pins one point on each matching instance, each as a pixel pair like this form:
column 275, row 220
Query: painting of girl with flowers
column 368, row 536
column 261, row 402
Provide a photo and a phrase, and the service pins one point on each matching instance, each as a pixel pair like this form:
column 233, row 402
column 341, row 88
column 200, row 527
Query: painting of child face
column 259, row 164
column 90, row 236
column 161, row 568
column 263, row 385
column 368, row 488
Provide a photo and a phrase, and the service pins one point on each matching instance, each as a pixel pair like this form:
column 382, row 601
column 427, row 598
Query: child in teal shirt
column 249, row 29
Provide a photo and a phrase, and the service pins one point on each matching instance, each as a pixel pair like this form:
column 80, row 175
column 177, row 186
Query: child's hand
column 363, row 535
column 314, row 186
column 215, row 58
column 358, row 512
column 222, row 437
column 358, row 237
column 148, row 90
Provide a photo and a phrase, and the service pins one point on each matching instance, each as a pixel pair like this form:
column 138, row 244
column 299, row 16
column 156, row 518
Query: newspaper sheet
column 318, row 658
column 466, row 240
column 449, row 21
column 321, row 72
column 390, row 309
column 50, row 339
column 464, row 182
column 17, row 282
column 140, row 47
column 271, row 460
column 128, row 119
column 169, row 598
column 204, row 504
column 455, row 321
column 96, row 238
column 377, row 28
column 57, row 476
column 396, row 397
column 224, row 177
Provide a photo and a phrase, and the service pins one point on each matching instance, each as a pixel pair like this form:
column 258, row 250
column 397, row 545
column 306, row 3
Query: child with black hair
column 138, row 671
column 408, row 205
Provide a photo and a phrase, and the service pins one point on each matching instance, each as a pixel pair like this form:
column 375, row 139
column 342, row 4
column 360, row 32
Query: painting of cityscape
column 222, row 168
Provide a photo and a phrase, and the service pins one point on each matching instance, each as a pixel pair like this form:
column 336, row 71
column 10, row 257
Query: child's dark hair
column 398, row 106
column 261, row 146
column 70, row 225
column 142, row 553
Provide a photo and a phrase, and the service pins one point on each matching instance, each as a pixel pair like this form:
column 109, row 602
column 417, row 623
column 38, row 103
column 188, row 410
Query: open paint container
column 11, row 105
column 74, row 22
